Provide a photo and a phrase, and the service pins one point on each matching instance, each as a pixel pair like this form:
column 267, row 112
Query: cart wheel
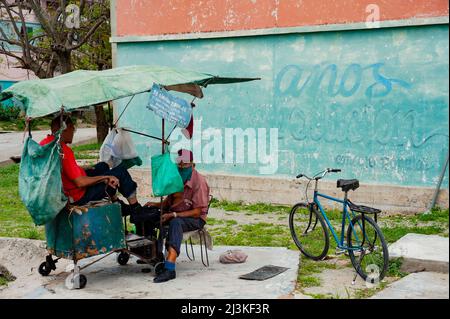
column 76, row 281
column 159, row 268
column 83, row 281
column 123, row 258
column 44, row 269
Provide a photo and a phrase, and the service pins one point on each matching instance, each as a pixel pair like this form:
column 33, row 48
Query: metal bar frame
column 346, row 215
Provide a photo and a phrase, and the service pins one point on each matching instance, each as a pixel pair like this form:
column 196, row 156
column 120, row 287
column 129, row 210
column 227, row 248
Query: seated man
column 182, row 213
column 82, row 186
column 146, row 224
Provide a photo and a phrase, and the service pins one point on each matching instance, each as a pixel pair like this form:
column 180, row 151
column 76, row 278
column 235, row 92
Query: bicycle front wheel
column 309, row 231
column 369, row 253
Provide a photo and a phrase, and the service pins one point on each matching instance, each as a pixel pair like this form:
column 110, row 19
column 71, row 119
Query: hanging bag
column 117, row 148
column 40, row 183
column 106, row 150
column 166, row 179
column 123, row 146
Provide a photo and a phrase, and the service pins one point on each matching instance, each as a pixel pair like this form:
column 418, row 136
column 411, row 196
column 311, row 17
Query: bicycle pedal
column 340, row 251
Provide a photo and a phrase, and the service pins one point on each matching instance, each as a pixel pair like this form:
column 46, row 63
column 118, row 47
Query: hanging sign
column 169, row 107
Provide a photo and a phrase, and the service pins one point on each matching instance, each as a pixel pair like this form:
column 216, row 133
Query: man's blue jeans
column 180, row 225
column 150, row 216
column 127, row 186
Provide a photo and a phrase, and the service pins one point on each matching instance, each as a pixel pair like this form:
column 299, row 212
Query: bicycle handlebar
column 324, row 172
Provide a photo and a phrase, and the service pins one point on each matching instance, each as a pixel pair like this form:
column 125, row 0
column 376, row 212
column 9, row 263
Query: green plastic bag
column 40, row 183
column 165, row 177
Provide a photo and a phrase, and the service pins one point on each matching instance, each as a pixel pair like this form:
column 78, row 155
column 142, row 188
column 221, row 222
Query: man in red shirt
column 82, row 186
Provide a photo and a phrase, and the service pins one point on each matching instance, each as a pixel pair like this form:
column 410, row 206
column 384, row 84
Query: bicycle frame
column 345, row 215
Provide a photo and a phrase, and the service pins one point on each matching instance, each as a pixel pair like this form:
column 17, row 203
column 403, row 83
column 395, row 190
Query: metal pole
column 143, row 134
column 162, row 136
column 438, row 187
column 161, row 199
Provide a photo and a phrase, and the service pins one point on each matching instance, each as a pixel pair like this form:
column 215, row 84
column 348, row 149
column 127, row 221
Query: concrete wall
column 5, row 84
column 146, row 17
column 373, row 102
column 9, row 71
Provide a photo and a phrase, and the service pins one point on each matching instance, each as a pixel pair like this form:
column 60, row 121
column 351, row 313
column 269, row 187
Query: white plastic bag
column 106, row 152
column 116, row 147
column 123, row 147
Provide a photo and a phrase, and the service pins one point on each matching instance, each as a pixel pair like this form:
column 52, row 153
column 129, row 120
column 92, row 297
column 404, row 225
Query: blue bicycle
column 364, row 243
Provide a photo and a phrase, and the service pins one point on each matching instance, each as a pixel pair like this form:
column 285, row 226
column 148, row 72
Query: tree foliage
column 70, row 35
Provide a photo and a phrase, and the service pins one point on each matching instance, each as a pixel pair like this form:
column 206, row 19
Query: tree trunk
column 102, row 124
column 65, row 61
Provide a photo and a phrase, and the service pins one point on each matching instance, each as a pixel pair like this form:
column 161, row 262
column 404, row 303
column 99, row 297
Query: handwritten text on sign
column 169, row 107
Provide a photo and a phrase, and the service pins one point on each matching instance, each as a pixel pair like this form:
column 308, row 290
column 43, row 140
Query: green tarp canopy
column 84, row 88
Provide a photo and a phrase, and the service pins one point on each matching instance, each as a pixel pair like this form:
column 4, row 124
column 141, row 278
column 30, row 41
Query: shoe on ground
column 148, row 270
column 159, row 271
column 164, row 276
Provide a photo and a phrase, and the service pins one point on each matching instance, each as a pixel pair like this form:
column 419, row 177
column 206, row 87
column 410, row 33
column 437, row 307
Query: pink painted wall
column 9, row 70
column 157, row 17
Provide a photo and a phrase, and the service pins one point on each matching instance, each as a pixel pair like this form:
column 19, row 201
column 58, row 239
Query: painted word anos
column 295, row 80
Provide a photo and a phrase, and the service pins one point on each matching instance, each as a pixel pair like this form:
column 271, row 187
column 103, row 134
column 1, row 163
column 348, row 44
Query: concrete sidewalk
column 107, row 279
column 421, row 253
column 11, row 143
column 421, row 285
column 426, row 258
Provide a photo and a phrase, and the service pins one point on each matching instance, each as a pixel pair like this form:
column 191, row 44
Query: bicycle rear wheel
column 372, row 259
column 309, row 231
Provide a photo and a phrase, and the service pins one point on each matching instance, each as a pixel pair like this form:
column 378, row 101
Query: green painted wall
column 372, row 102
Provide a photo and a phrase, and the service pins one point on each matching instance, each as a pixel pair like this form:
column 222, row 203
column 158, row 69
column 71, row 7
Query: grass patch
column 3, row 281
column 309, row 281
column 320, row 296
column 87, row 151
column 263, row 208
column 307, row 270
column 328, row 296
column 369, row 292
column 32, row 233
column 309, row 267
column 258, row 235
column 89, row 156
column 258, row 208
column 436, row 214
column 394, row 268
column 15, row 220
column 215, row 222
column 18, row 124
column 8, row 126
column 392, row 234
column 87, row 147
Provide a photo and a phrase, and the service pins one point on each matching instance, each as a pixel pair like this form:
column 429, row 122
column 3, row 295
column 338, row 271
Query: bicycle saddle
column 347, row 184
